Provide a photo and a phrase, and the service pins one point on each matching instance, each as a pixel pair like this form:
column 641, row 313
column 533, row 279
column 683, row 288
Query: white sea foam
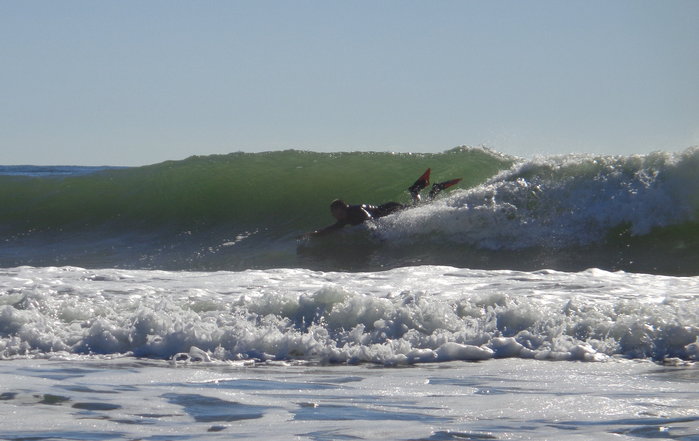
column 558, row 202
column 406, row 315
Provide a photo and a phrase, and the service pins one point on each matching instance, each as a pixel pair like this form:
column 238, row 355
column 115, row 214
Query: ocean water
column 551, row 298
column 241, row 211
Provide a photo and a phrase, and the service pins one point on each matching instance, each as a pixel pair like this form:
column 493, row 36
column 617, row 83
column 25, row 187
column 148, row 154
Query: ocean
column 554, row 297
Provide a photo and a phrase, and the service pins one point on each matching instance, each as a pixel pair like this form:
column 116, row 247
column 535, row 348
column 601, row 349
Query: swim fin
column 422, row 182
column 436, row 188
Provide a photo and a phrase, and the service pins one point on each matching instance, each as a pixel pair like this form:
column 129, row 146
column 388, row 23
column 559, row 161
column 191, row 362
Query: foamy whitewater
column 555, row 298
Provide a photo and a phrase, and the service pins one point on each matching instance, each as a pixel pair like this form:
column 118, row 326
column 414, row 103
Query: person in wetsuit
column 356, row 214
column 346, row 214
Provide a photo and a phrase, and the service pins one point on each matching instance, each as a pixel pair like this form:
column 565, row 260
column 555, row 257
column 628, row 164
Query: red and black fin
column 436, row 188
column 422, row 182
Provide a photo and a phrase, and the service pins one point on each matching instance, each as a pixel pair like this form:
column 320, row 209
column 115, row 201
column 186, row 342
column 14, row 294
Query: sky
column 140, row 82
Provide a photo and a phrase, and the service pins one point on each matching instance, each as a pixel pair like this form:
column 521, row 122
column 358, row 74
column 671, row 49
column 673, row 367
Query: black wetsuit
column 357, row 214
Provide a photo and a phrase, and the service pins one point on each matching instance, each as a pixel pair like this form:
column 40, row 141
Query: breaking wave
column 238, row 211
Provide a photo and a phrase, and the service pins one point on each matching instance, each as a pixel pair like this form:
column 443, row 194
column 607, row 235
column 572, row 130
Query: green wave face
column 261, row 190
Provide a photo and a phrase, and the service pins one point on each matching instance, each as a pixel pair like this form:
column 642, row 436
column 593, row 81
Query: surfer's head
column 338, row 208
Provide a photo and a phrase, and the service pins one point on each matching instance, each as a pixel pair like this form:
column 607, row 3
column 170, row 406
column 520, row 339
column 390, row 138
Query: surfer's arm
column 356, row 214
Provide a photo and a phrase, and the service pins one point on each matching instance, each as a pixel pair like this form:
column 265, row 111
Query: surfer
column 346, row 214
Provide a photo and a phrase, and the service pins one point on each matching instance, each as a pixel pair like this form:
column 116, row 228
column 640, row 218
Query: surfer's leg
column 422, row 182
column 434, row 191
column 436, row 188
column 388, row 208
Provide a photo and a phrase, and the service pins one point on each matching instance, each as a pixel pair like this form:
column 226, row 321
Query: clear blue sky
column 138, row 82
